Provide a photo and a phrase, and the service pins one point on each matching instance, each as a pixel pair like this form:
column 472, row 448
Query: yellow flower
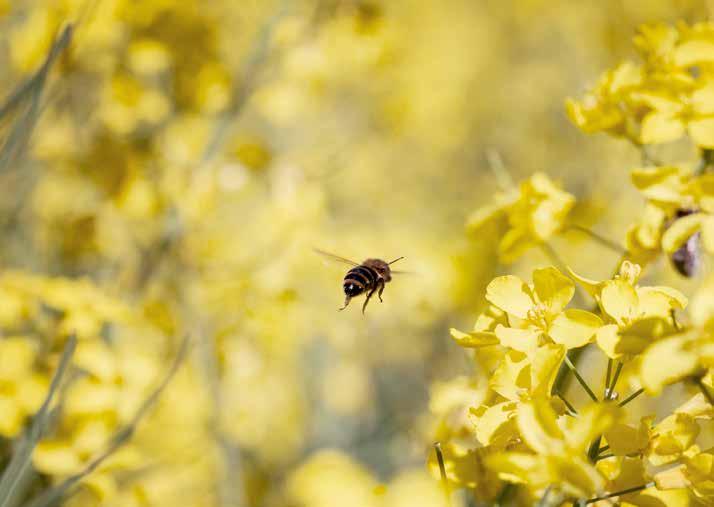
column 605, row 108
column 672, row 359
column 675, row 436
column 634, row 315
column 557, row 456
column 532, row 214
column 483, row 333
column 661, row 100
column 695, row 474
column 537, row 312
column 518, row 379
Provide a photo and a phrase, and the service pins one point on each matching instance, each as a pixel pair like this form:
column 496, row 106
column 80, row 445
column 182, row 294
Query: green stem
column 442, row 470
column 567, row 403
column 504, row 494
column 580, row 379
column 620, row 493
column 608, row 376
column 704, row 390
column 611, row 389
column 705, row 161
column 594, row 449
column 631, row 397
column 544, row 498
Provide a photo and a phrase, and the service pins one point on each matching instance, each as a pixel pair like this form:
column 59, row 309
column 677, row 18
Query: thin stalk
column 580, row 379
column 611, row 388
column 608, row 376
column 504, row 494
column 705, row 161
column 631, row 397
column 544, row 498
column 498, row 168
column 594, row 449
column 442, row 470
column 704, row 390
column 21, row 460
column 602, row 240
column 603, row 449
column 567, row 403
column 620, row 493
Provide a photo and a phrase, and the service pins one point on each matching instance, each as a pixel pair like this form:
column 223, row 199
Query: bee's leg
column 347, row 301
column 381, row 289
column 367, row 299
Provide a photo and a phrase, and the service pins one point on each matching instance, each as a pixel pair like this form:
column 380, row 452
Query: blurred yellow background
column 186, row 158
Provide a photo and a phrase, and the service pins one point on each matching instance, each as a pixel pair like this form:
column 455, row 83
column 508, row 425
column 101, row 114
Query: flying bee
column 367, row 278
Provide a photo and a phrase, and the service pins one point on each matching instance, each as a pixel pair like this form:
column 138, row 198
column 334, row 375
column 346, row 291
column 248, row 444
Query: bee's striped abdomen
column 359, row 279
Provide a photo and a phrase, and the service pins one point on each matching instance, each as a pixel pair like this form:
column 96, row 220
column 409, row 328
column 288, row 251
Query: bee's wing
column 336, row 257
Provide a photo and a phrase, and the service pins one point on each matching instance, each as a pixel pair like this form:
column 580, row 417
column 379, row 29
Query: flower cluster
column 530, row 214
column 521, row 429
column 669, row 94
column 525, row 431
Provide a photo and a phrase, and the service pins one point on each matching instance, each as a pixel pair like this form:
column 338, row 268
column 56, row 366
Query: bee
column 687, row 258
column 367, row 278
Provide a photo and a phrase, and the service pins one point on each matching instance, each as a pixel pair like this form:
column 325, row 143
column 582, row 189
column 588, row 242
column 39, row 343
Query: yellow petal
column 673, row 478
column 545, row 362
column 624, row 439
column 592, row 421
column 495, row 425
column 608, row 339
column 523, row 340
column 473, row 340
column 518, row 467
column 591, row 286
column 512, row 377
column 680, row 231
column 553, row 289
column 514, row 244
column 693, row 52
column 576, row 476
column 661, row 184
column 17, row 355
column 619, row 300
column 12, row 417
column 658, row 303
column 538, row 426
column 484, row 216
column 511, row 294
column 664, row 362
column 703, row 100
column 574, row 328
column 675, row 437
column 701, row 131
column 661, row 128
column 56, row 458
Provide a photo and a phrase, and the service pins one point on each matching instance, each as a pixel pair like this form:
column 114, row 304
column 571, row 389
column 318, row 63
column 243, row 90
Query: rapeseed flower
column 531, row 215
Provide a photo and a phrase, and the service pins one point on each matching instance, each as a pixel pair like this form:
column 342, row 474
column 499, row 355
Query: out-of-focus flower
column 660, row 100
column 22, row 386
column 532, row 214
